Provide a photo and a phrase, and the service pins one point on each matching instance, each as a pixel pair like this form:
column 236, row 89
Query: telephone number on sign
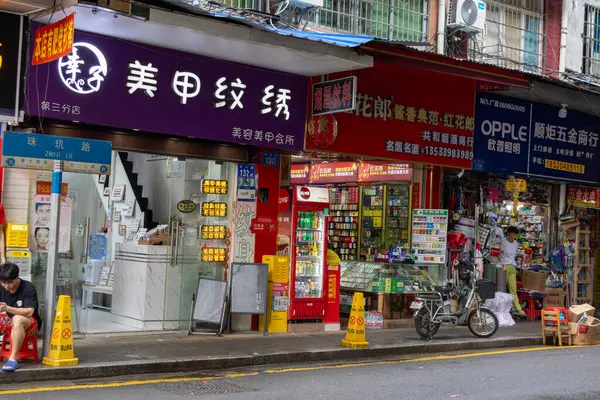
column 446, row 152
column 565, row 166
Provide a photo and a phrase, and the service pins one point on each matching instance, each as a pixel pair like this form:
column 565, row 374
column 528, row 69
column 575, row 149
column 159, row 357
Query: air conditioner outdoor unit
column 467, row 15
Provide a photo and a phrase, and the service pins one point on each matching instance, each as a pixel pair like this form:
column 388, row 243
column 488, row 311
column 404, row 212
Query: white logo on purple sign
column 84, row 70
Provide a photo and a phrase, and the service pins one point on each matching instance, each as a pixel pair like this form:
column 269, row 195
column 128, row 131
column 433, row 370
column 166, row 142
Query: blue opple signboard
column 517, row 137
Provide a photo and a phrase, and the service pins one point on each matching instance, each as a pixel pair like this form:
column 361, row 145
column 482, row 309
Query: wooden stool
column 555, row 325
column 25, row 352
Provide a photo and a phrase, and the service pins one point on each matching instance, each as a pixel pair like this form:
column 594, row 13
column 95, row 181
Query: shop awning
column 226, row 37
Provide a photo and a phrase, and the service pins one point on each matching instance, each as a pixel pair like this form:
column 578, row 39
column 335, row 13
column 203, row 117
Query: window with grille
column 513, row 36
column 404, row 20
column 591, row 41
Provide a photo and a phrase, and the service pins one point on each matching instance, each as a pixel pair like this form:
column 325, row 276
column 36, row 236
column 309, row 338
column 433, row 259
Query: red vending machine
column 309, row 253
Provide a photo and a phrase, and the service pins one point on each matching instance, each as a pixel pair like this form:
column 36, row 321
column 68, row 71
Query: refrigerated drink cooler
column 309, row 253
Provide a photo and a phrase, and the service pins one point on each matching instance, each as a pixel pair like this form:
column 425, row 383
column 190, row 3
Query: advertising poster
column 41, row 224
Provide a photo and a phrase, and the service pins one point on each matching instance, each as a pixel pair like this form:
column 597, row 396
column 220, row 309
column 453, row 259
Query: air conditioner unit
column 467, row 15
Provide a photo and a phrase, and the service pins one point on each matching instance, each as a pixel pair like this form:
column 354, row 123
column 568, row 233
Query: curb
column 106, row 370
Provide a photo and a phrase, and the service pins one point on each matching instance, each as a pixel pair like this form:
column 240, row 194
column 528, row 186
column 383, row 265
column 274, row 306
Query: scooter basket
column 486, row 289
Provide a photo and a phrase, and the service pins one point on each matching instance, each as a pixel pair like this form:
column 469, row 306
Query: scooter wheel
column 424, row 327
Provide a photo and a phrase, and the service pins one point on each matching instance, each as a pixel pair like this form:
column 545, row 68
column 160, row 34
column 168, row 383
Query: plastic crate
column 564, row 321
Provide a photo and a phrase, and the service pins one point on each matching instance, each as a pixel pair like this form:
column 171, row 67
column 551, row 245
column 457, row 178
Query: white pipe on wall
column 564, row 22
column 562, row 201
column 441, row 26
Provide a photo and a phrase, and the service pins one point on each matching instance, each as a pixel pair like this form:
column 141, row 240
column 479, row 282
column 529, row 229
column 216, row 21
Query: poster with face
column 40, row 234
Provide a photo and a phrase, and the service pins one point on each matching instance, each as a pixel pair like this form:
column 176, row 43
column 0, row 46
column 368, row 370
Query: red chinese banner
column 374, row 172
column 411, row 114
column 299, row 174
column 340, row 172
column 583, row 197
column 54, row 41
column 416, row 196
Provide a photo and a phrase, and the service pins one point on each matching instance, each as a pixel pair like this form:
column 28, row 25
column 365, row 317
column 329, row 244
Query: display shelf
column 429, row 236
column 343, row 222
column 397, row 216
column 532, row 220
column 309, row 254
column 371, row 224
column 390, row 277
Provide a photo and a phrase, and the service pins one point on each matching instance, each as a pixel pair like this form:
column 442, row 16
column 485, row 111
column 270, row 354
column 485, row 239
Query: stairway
column 137, row 191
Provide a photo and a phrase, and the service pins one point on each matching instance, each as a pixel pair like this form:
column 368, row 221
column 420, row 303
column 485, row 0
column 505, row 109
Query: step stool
column 557, row 326
column 25, row 352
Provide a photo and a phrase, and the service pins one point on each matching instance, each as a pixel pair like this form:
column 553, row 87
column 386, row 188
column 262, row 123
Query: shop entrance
column 138, row 241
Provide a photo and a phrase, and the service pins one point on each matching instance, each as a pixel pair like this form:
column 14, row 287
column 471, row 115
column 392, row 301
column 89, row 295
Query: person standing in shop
column 509, row 262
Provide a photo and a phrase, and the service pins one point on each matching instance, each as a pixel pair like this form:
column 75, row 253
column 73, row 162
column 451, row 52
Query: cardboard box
column 584, row 334
column 575, row 312
column 384, row 305
column 533, row 280
column 555, row 297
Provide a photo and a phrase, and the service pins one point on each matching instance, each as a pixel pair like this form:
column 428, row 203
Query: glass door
column 200, row 204
column 310, row 254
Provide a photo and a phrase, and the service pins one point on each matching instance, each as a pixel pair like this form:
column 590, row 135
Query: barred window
column 591, row 41
column 513, row 35
column 404, row 20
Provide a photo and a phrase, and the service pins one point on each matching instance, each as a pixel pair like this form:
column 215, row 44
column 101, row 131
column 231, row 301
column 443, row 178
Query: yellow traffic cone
column 355, row 334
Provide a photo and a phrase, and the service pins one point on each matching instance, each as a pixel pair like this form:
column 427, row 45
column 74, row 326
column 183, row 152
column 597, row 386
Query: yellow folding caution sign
column 355, row 334
column 61, row 352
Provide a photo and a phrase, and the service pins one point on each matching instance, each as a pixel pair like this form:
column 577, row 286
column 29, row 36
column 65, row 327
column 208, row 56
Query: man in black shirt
column 18, row 302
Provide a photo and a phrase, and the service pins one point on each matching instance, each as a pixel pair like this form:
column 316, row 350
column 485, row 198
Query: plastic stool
column 25, row 352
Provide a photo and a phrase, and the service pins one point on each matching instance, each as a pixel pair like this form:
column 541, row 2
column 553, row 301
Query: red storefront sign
column 339, row 172
column 413, row 115
column 375, row 172
column 53, row 41
column 584, row 197
column 299, row 174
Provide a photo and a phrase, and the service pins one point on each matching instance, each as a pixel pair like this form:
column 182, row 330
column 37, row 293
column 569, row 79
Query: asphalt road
column 523, row 374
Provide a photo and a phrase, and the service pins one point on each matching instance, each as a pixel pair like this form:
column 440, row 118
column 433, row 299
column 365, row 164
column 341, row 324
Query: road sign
column 34, row 151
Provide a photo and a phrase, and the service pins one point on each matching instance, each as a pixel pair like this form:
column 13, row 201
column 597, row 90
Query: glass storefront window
column 119, row 278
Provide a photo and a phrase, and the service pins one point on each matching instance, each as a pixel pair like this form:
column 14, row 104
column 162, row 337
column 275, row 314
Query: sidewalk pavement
column 128, row 354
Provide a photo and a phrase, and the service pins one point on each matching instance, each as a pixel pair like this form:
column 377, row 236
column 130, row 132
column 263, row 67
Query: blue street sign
column 246, row 176
column 34, row 151
column 270, row 158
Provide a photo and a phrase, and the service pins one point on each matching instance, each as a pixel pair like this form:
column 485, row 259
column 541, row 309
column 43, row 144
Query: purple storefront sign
column 127, row 85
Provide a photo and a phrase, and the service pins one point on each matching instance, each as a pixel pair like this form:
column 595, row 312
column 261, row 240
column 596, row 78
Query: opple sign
column 504, row 130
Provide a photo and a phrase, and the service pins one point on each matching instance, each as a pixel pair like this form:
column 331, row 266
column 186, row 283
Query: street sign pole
column 50, row 295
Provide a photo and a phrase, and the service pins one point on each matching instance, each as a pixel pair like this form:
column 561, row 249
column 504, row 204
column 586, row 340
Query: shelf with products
column 309, row 254
column 371, row 222
column 397, row 216
column 343, row 222
column 429, row 236
column 532, row 221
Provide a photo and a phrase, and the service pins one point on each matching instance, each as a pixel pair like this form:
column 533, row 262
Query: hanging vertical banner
column 54, row 41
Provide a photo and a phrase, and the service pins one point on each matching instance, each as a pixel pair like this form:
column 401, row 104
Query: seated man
column 18, row 300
